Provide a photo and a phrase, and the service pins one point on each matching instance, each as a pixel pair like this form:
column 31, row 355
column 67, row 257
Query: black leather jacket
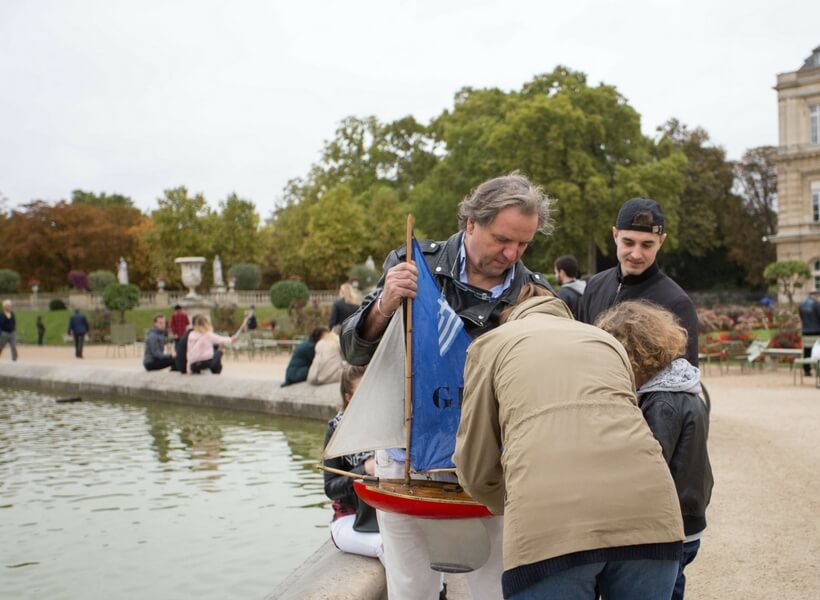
column 680, row 423
column 479, row 311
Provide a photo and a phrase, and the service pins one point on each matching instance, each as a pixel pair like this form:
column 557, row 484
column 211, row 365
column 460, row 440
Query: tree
column 99, row 280
column 788, row 275
column 582, row 144
column 335, row 238
column 9, row 281
column 236, row 237
column 750, row 217
column 121, row 297
column 248, row 276
column 46, row 241
column 182, row 226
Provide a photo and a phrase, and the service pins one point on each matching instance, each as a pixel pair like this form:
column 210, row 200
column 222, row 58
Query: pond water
column 127, row 499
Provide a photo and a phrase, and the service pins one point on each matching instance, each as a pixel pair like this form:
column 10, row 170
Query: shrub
column 786, row 339
column 9, row 281
column 248, row 276
column 224, row 318
column 99, row 280
column 99, row 325
column 121, row 297
column 56, row 304
column 364, row 276
column 285, row 293
column 78, row 280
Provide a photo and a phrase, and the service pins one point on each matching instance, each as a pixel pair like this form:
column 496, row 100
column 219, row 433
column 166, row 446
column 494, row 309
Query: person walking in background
column 179, row 322
column 78, row 327
column 155, row 357
column 809, row 325
column 639, row 234
column 8, row 329
column 345, row 305
column 203, row 352
column 41, row 330
column 250, row 319
column 572, row 288
column 668, row 390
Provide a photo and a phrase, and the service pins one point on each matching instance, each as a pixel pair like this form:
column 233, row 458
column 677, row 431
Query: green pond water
column 125, row 499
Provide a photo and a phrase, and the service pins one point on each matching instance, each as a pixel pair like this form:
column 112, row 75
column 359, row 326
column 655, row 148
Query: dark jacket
column 300, row 362
column 181, row 359
column 477, row 309
column 7, row 324
column 154, row 346
column 340, row 311
column 608, row 288
column 340, row 488
column 571, row 293
column 77, row 324
column 679, row 420
column 810, row 316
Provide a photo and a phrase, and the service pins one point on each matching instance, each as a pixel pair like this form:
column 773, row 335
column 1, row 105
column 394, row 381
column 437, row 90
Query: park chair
column 797, row 367
column 737, row 352
column 123, row 337
column 712, row 352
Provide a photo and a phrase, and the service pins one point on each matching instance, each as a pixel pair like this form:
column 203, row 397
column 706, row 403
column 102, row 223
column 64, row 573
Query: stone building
column 798, row 167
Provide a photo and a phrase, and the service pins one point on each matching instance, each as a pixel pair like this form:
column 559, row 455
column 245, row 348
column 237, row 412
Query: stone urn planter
column 191, row 273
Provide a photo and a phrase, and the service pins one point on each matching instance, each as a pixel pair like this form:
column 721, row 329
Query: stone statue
column 218, row 273
column 122, row 271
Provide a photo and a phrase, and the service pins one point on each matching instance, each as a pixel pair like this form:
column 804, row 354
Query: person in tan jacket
column 327, row 360
column 551, row 436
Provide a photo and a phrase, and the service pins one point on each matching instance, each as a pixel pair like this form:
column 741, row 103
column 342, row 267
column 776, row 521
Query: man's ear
column 470, row 226
column 662, row 240
column 615, row 234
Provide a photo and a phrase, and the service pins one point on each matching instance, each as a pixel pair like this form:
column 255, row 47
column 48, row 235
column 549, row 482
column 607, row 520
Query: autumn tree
column 46, row 241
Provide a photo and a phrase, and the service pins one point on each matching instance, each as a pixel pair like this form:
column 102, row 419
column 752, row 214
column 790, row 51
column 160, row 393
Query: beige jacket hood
column 551, row 436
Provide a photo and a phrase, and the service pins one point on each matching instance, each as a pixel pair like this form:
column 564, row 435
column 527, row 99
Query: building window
column 815, row 201
column 815, row 274
column 815, row 124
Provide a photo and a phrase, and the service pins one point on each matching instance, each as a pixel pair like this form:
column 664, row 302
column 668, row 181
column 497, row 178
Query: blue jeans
column 617, row 580
column 690, row 551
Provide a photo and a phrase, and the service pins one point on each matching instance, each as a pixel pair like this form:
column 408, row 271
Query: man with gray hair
column 480, row 273
column 8, row 329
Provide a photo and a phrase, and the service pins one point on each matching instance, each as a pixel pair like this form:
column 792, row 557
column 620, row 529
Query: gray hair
column 494, row 195
column 6, row 302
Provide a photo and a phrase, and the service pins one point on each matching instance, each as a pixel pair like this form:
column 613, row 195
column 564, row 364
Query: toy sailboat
column 410, row 397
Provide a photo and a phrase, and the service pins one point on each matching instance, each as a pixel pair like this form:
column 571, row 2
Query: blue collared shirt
column 496, row 291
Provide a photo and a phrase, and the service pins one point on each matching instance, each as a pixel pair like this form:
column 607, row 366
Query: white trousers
column 407, row 558
column 351, row 541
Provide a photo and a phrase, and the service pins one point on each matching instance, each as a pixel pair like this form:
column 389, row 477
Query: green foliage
column 248, row 276
column 284, row 293
column 56, row 304
column 788, row 275
column 98, row 280
column 9, row 281
column 235, row 234
column 336, row 237
column 121, row 297
column 582, row 144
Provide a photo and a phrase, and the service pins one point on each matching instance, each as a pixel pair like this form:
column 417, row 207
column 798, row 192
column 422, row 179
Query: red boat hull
column 424, row 499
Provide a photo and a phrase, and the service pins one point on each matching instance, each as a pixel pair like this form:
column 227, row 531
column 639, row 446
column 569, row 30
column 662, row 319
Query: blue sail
column 439, row 352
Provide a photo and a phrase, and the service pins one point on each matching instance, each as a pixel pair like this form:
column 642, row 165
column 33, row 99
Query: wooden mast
column 408, row 359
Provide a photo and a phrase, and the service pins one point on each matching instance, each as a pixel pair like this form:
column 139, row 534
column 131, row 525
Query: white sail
column 374, row 419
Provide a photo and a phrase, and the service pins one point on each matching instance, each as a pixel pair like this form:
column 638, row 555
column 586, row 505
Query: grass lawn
column 56, row 321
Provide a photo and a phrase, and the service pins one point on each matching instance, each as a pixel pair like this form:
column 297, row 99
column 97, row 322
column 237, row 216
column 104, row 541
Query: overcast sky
column 135, row 97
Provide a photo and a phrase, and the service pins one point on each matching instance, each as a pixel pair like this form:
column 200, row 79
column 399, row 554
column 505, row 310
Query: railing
column 157, row 300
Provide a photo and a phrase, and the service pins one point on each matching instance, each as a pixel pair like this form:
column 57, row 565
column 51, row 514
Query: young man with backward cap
column 639, row 234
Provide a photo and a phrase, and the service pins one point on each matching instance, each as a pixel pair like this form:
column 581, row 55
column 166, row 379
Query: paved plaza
column 763, row 539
